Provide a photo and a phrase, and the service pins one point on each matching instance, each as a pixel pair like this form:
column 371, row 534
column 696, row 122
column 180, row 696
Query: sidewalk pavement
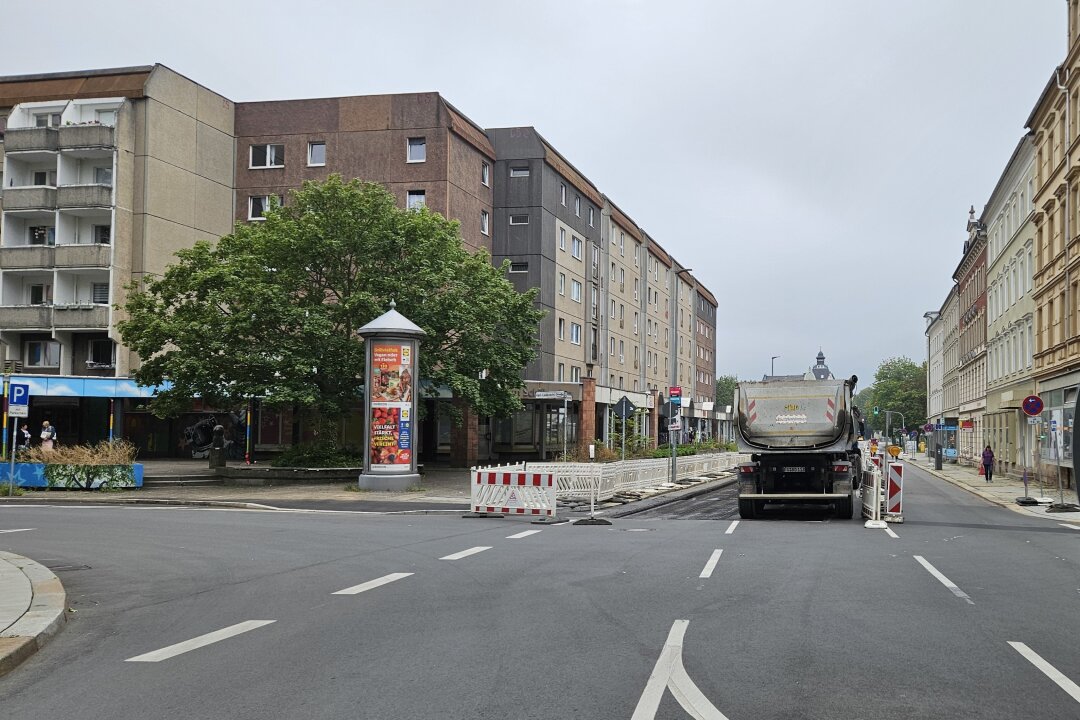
column 1003, row 491
column 32, row 608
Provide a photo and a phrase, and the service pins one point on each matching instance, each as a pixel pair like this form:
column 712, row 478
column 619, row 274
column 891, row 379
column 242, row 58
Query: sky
column 813, row 162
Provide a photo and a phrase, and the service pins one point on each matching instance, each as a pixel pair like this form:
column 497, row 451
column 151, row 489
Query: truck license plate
column 794, row 469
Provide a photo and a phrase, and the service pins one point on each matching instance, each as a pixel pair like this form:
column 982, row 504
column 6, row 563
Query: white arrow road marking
column 944, row 580
column 15, row 530
column 527, row 533
column 1049, row 670
column 731, row 528
column 890, row 533
column 372, row 584
column 711, row 565
column 670, row 673
column 202, row 641
column 466, row 553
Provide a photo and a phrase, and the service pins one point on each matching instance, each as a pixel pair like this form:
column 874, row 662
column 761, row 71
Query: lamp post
column 772, row 365
column 674, row 371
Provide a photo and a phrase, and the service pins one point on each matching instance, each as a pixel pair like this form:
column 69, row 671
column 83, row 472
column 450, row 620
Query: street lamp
column 674, row 370
column 772, row 365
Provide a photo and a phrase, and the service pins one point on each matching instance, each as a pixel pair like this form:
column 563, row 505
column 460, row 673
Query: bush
column 117, row 452
column 318, row 455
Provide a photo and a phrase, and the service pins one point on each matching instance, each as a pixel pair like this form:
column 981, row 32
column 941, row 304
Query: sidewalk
column 1003, row 491
column 32, row 607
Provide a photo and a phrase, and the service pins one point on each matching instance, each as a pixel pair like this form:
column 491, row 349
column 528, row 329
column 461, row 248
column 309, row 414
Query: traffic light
column 876, row 410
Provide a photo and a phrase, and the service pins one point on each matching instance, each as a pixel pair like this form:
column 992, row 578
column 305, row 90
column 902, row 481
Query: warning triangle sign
column 513, row 499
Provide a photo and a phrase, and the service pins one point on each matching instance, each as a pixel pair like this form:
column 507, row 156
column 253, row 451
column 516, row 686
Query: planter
column 75, row 477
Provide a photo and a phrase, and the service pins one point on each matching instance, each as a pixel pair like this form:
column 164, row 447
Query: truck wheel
column 845, row 509
column 747, row 510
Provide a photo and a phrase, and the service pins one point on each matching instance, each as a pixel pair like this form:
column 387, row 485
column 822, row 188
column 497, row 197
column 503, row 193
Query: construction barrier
column 894, row 504
column 513, row 492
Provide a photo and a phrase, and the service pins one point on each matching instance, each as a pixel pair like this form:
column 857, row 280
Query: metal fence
column 581, row 480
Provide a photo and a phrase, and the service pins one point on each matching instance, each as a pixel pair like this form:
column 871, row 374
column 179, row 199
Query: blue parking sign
column 18, row 400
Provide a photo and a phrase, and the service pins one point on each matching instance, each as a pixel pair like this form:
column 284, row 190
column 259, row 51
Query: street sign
column 928, row 427
column 551, row 395
column 1034, row 421
column 675, row 423
column 1053, row 426
column 624, row 408
column 675, row 392
column 18, row 400
column 1033, row 405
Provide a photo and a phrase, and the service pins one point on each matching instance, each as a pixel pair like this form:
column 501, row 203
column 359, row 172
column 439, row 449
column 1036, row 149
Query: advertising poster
column 391, row 383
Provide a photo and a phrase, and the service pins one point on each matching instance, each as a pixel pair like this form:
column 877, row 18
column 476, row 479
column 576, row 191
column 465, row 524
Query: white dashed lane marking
column 466, row 553
column 890, row 533
column 527, row 533
column 372, row 584
column 202, row 641
column 943, row 580
column 711, row 565
column 731, row 528
column 16, row 530
column 1047, row 669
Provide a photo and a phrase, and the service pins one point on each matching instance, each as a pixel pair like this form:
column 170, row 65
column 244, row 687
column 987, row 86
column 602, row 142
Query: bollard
column 937, row 457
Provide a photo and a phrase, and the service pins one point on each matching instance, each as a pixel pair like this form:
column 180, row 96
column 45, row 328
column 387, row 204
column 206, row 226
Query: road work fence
column 602, row 481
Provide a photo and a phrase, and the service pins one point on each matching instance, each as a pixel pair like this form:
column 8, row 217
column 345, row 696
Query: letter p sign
column 18, row 400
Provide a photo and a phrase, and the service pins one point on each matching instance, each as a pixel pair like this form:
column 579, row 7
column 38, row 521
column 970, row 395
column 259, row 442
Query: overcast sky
column 813, row 162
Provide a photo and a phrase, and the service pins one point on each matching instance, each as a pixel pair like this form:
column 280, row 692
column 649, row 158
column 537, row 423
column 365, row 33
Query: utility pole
column 672, row 435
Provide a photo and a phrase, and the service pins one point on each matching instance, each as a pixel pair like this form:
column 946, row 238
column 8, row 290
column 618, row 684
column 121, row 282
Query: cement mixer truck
column 802, row 437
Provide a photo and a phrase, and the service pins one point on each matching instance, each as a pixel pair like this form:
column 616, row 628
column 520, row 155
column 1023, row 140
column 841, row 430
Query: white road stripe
column 466, row 553
column 670, row 673
column 372, row 584
column 1071, row 527
column 711, row 565
column 527, row 533
column 944, row 580
column 731, row 528
column 1049, row 670
column 15, row 530
column 201, row 641
column 890, row 533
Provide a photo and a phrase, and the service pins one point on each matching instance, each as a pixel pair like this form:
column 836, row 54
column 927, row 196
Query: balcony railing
column 37, row 197
column 81, row 256
column 26, row 256
column 86, row 136
column 35, row 138
column 83, row 196
column 25, row 317
column 81, row 316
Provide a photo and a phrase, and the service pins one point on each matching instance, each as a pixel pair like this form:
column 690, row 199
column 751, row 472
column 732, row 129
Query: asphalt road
column 795, row 616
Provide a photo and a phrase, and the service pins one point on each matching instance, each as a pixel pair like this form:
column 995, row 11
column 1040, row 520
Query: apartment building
column 935, row 367
column 950, row 411
column 106, row 174
column 970, row 279
column 1010, row 310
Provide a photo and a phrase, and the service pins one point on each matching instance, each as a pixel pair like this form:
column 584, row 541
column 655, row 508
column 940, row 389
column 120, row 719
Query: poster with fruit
column 391, row 435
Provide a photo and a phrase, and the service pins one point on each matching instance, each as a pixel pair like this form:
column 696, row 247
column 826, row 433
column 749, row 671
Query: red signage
column 967, row 424
column 675, row 392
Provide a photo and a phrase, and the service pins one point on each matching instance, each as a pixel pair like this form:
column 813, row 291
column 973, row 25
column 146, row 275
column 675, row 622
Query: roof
column 112, row 82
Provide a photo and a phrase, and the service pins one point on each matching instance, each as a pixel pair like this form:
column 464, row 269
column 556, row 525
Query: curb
column 43, row 618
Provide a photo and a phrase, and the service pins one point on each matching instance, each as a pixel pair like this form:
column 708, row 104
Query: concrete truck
column 802, row 437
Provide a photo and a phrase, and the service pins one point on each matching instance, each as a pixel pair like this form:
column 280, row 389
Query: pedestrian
column 988, row 464
column 24, row 438
column 48, row 435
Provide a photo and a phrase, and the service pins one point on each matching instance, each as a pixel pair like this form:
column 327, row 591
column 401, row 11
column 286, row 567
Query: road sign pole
column 11, row 468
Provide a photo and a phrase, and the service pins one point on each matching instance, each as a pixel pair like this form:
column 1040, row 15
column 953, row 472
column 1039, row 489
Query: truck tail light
column 841, row 467
column 747, row 468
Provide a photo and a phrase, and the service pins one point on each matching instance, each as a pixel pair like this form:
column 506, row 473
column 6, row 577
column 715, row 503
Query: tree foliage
column 725, row 391
column 272, row 309
column 900, row 387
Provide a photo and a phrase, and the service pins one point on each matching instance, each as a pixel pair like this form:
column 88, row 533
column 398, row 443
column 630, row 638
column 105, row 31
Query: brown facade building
column 970, row 278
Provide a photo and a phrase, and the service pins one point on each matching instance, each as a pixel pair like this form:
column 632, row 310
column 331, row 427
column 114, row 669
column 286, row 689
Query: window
column 101, row 353
column 100, row 294
column 267, row 156
column 105, row 117
column 637, row 286
column 561, row 377
column 519, row 267
column 43, row 353
column 485, row 221
column 42, row 235
column 562, row 283
column 575, row 291
column 611, row 347
column 103, row 176
column 611, row 277
column 622, row 244
column 485, row 174
column 47, row 120
column 577, row 205
column 258, row 205
column 519, row 219
column 590, row 217
column 562, row 328
column 562, row 238
column 575, row 333
column 575, row 374
column 575, row 247
column 40, row 294
column 416, row 199
column 102, row 234
column 519, row 172
column 562, row 194
column 316, row 153
column 612, row 309
column 417, row 151
column 622, row 352
column 635, row 323
column 45, row 177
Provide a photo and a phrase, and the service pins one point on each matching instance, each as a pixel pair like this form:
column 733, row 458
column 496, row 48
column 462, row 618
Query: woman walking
column 988, row 464
column 48, row 436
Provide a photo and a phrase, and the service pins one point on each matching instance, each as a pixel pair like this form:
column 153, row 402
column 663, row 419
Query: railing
column 582, row 480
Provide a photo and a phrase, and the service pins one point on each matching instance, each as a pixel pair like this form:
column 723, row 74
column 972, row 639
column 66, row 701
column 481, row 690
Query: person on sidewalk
column 988, row 464
column 48, row 436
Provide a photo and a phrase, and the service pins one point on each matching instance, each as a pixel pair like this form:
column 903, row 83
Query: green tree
column 725, row 391
column 900, row 387
column 272, row 309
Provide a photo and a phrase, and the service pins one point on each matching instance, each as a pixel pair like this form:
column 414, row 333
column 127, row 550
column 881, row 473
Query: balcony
column 35, row 197
column 26, row 317
column 26, row 256
column 84, row 196
column 86, row 136
column 82, row 316
column 80, row 256
column 30, row 139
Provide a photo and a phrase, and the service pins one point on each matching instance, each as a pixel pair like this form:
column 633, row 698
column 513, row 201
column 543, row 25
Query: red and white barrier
column 894, row 503
column 512, row 492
